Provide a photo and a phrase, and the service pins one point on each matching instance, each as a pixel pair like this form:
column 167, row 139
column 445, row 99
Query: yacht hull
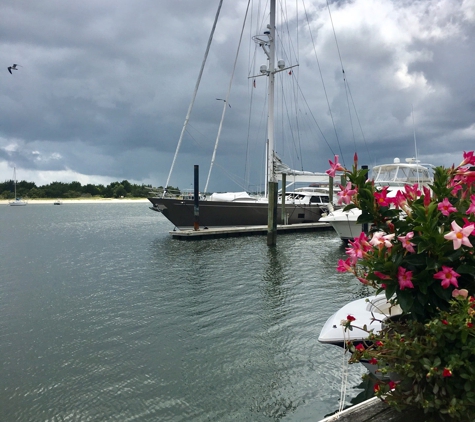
column 215, row 214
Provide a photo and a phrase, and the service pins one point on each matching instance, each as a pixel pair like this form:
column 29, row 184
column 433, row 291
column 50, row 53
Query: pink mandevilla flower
column 412, row 192
column 381, row 198
column 448, row 277
column 460, row 293
column 460, row 235
column 445, row 207
column 334, row 167
column 427, row 195
column 381, row 275
column 471, row 208
column 381, row 239
column 404, row 278
column 345, row 266
column 346, row 193
column 468, row 158
column 406, row 242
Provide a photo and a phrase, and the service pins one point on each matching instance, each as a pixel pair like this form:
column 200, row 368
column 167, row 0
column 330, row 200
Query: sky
column 103, row 87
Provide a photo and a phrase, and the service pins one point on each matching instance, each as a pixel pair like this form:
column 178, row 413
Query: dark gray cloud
column 104, row 87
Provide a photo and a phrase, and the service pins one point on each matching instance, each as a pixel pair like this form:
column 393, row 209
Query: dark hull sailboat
column 215, row 214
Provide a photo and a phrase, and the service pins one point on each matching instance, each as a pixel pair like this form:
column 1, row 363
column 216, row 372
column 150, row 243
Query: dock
column 375, row 410
column 216, row 233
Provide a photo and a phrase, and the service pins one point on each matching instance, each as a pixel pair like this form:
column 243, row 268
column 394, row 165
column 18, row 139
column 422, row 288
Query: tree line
column 123, row 189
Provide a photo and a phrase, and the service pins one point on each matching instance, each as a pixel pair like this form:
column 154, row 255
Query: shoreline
column 79, row 201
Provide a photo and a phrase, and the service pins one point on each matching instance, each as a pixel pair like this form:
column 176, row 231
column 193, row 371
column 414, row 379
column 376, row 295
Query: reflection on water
column 105, row 317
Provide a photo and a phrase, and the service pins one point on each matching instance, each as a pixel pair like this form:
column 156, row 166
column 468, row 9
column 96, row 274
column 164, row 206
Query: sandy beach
column 79, row 201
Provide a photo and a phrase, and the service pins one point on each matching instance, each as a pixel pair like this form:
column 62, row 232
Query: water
column 104, row 317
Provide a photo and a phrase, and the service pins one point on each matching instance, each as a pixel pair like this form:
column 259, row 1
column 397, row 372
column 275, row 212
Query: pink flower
column 460, row 236
column 445, row 207
column 404, row 278
column 406, row 242
column 468, row 223
column 412, row 191
column 468, row 158
column 381, row 239
column 363, row 280
column 460, row 293
column 399, row 200
column 334, row 167
column 373, row 361
column 360, row 347
column 427, row 196
column 350, row 318
column 381, row 198
column 471, row 208
column 346, row 193
column 448, row 277
column 358, row 247
column 382, row 276
column 345, row 266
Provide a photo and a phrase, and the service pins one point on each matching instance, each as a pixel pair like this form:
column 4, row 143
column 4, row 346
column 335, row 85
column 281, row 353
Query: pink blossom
column 412, row 191
column 427, row 196
column 448, row 277
column 468, row 158
column 460, row 293
column 406, row 242
column 471, row 208
column 404, row 278
column 468, row 223
column 460, row 235
column 381, row 275
column 381, row 197
column 445, row 207
column 346, row 193
column 345, row 266
column 399, row 200
column 358, row 247
column 363, row 280
column 334, row 167
column 381, row 239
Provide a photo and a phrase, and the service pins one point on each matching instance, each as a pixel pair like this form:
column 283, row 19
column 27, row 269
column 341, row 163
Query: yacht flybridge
column 395, row 175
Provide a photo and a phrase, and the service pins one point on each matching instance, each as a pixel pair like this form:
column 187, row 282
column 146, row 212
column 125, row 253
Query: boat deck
column 215, row 233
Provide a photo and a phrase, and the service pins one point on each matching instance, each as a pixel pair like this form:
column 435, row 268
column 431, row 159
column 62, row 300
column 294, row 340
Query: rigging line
column 324, row 88
column 288, row 57
column 187, row 118
column 347, row 87
column 315, row 120
column 341, row 62
column 226, row 101
column 233, row 177
column 359, row 124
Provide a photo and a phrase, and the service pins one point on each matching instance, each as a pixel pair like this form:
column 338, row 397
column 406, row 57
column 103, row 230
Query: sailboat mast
column 271, row 177
column 14, row 180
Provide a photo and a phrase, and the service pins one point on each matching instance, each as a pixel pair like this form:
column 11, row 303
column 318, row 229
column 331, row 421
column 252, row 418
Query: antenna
column 415, row 140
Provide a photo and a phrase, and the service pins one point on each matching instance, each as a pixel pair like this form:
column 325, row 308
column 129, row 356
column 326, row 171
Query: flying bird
column 14, row 67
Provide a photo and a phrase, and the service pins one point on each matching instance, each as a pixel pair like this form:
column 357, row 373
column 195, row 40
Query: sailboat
column 303, row 205
column 17, row 202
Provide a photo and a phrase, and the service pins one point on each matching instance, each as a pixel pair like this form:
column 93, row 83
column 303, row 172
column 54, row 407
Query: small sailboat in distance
column 17, row 202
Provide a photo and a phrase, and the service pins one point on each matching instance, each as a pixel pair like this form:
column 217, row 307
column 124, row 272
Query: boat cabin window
column 319, row 199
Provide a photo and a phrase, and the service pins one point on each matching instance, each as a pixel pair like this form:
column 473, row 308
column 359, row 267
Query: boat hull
column 215, row 214
column 344, row 223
